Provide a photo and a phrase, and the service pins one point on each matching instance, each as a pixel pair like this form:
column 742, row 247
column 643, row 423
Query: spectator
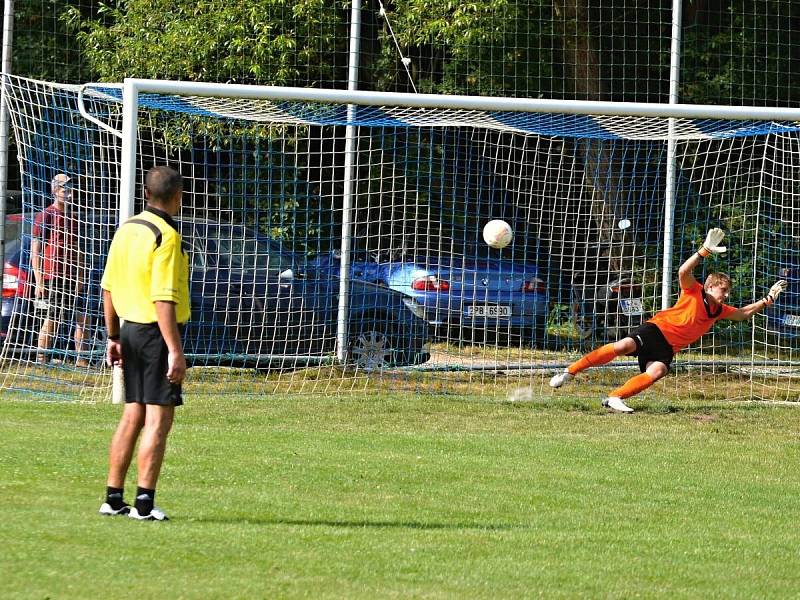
column 58, row 271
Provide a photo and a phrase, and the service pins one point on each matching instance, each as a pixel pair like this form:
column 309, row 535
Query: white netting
column 431, row 307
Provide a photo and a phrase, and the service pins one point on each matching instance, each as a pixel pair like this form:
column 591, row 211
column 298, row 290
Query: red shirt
column 58, row 236
column 689, row 318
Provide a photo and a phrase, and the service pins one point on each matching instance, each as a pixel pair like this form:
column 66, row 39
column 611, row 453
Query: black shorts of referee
column 144, row 363
column 651, row 345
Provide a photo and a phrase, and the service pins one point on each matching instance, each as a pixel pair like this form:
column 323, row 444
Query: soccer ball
column 497, row 234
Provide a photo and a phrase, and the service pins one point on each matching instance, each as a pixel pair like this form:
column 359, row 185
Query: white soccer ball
column 497, row 233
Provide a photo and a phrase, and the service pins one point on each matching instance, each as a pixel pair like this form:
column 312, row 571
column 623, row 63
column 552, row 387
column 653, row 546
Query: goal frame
column 133, row 87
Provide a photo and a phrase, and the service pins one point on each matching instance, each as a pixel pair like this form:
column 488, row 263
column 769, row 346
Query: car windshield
column 239, row 248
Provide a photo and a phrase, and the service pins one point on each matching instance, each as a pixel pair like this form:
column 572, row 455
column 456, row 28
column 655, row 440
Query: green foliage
column 485, row 47
column 279, row 42
column 741, row 56
column 44, row 48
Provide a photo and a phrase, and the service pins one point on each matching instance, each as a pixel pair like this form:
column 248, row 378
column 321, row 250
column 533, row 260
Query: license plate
column 493, row 311
column 791, row 320
column 631, row 306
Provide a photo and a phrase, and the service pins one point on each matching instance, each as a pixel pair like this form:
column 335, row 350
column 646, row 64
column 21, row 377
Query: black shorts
column 62, row 300
column 650, row 345
column 144, row 363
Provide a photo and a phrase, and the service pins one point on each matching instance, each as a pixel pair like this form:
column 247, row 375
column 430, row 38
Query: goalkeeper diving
column 656, row 342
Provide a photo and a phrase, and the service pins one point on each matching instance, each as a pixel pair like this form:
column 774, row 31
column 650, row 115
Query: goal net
column 338, row 247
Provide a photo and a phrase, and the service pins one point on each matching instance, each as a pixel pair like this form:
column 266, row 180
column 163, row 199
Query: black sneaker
column 107, row 511
column 154, row 515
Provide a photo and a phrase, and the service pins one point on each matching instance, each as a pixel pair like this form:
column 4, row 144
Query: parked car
column 783, row 317
column 251, row 297
column 474, row 295
column 253, row 305
column 14, row 274
column 607, row 310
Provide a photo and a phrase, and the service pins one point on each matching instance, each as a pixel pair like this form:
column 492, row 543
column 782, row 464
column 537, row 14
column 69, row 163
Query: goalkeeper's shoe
column 107, row 511
column 617, row 405
column 156, row 514
column 558, row 380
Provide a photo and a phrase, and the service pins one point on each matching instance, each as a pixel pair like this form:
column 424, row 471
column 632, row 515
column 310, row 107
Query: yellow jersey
column 147, row 264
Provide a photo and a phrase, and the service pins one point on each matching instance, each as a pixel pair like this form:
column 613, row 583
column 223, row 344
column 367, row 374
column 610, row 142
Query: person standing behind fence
column 58, row 270
column 146, row 284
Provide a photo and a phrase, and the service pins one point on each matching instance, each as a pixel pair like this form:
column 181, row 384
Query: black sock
column 114, row 497
column 144, row 500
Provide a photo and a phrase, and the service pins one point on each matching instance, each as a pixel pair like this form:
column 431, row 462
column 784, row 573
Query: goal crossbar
column 458, row 102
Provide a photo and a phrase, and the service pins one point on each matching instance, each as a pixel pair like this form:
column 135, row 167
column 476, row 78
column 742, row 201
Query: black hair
column 161, row 184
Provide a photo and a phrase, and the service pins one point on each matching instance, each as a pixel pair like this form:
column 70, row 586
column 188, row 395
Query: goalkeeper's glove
column 711, row 245
column 775, row 291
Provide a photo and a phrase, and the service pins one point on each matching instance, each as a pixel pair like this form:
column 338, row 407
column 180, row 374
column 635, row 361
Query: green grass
column 411, row 496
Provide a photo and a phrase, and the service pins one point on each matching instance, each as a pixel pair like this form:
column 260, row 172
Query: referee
column 146, row 284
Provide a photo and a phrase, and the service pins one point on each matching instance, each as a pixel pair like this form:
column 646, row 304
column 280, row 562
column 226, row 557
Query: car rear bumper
column 474, row 315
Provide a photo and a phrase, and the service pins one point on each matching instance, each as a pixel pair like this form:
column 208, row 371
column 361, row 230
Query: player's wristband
column 704, row 252
column 114, row 338
column 767, row 300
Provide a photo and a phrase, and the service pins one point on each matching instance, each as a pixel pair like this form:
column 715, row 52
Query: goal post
column 295, row 289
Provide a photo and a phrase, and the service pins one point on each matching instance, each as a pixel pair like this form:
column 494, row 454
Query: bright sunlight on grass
column 411, row 496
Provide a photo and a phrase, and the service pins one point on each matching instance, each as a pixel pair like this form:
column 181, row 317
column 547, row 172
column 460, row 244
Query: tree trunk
column 602, row 159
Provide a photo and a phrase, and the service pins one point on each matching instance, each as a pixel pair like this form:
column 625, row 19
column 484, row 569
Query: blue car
column 469, row 297
column 253, row 305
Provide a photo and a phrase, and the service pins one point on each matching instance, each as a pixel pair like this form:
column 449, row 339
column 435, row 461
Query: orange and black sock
column 633, row 386
column 598, row 356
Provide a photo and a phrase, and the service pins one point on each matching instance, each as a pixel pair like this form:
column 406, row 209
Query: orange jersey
column 689, row 318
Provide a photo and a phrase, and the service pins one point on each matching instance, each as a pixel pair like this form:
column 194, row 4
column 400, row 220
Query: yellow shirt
column 146, row 264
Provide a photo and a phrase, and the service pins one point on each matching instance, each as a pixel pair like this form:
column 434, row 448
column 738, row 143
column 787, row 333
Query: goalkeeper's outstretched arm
column 710, row 246
column 744, row 313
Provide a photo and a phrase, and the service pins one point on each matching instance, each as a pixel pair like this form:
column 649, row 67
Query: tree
column 43, row 46
column 740, row 52
column 278, row 42
column 483, row 47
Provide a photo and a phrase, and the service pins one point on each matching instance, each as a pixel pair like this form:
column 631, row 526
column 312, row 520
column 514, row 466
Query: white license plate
column 493, row 311
column 631, row 306
column 791, row 320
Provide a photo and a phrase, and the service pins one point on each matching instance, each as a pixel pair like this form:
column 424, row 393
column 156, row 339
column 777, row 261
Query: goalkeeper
column 655, row 342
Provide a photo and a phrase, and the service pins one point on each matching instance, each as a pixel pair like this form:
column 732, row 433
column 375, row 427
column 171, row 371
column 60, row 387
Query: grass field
column 397, row 496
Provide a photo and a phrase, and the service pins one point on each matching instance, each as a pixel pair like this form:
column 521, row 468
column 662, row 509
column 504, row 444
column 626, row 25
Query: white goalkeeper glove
column 775, row 291
column 711, row 245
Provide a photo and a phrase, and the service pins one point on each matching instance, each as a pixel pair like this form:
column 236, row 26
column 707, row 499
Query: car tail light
column 534, row 285
column 22, row 283
column 11, row 281
column 431, row 283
